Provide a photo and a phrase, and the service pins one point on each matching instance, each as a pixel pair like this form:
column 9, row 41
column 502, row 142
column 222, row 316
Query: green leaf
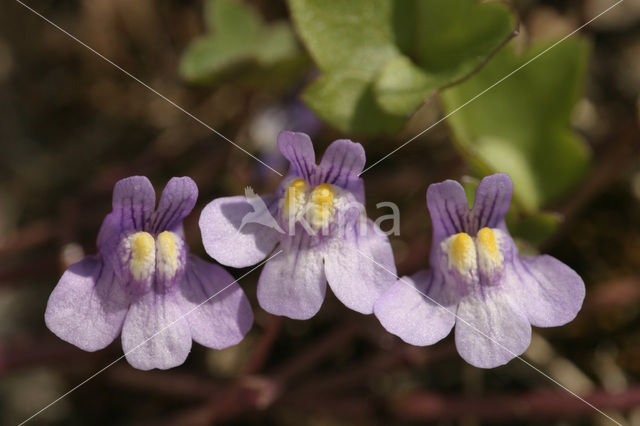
column 402, row 86
column 521, row 126
column 349, row 36
column 349, row 40
column 348, row 103
column 208, row 57
column 232, row 17
column 238, row 36
column 277, row 45
column 393, row 54
column 454, row 38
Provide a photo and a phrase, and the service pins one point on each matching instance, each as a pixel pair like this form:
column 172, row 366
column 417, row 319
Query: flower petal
column 88, row 306
column 293, row 283
column 491, row 330
column 341, row 164
column 298, row 149
column 492, row 201
column 237, row 231
column 108, row 230
column 360, row 266
column 218, row 311
column 177, row 200
column 551, row 293
column 405, row 311
column 155, row 333
column 448, row 207
column 134, row 200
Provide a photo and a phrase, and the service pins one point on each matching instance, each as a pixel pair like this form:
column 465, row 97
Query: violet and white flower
column 317, row 219
column 478, row 281
column 144, row 284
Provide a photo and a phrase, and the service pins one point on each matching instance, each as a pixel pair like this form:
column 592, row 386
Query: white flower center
column 468, row 254
column 316, row 205
column 146, row 255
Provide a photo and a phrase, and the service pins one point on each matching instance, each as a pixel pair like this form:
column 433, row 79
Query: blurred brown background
column 71, row 125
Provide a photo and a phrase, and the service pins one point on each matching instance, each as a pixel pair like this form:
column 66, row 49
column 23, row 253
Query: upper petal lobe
column 448, row 207
column 341, row 165
column 492, row 201
column 298, row 149
column 177, row 200
column 134, row 200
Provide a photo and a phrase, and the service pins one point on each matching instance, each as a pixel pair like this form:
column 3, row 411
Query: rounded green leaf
column 238, row 36
column 400, row 51
column 402, row 86
column 354, row 35
column 347, row 101
column 521, row 126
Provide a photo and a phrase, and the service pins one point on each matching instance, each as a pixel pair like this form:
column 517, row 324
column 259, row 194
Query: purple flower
column 317, row 218
column 144, row 283
column 478, row 281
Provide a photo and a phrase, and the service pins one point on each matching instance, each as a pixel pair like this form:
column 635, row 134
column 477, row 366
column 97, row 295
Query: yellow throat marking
column 487, row 238
column 296, row 194
column 489, row 257
column 143, row 254
column 149, row 255
column 468, row 254
column 167, row 254
column 462, row 252
column 322, row 199
column 317, row 205
column 167, row 246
